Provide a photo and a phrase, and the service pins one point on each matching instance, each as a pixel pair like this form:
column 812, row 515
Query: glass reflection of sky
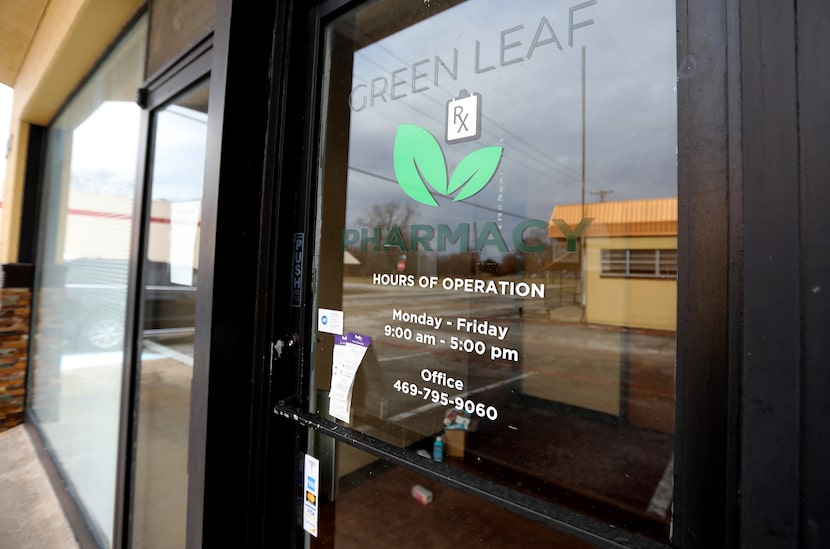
column 179, row 162
column 532, row 107
column 105, row 151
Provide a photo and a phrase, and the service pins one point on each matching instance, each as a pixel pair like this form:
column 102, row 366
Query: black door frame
column 230, row 377
column 705, row 483
column 189, row 69
column 743, row 101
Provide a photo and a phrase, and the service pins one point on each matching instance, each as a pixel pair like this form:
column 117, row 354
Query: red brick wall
column 15, row 312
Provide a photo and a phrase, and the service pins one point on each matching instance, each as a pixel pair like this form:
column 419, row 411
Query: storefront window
column 497, row 246
column 168, row 318
column 81, row 287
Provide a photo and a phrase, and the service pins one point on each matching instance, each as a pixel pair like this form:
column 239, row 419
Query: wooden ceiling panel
column 18, row 22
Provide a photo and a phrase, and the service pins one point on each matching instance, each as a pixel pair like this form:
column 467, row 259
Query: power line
column 467, row 202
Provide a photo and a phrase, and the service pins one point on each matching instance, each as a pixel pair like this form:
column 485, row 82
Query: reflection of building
column 90, row 215
column 630, row 252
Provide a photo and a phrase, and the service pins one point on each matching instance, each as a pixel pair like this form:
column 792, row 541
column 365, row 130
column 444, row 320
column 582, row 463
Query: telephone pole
column 582, row 266
column 602, row 194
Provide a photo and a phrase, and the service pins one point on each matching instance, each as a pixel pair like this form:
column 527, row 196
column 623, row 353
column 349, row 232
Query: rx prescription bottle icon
column 463, row 117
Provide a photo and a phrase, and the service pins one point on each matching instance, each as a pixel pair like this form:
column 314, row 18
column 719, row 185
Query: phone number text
column 479, row 409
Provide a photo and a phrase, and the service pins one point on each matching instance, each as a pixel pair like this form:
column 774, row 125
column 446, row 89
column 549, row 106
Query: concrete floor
column 30, row 515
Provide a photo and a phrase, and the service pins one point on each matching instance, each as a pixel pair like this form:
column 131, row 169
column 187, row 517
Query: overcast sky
column 532, row 104
column 105, row 151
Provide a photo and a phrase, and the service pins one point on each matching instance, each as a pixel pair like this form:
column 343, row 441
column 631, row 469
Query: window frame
column 192, row 67
column 655, row 258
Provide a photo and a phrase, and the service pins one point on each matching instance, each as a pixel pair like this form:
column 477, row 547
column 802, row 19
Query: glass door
column 168, row 312
column 495, row 275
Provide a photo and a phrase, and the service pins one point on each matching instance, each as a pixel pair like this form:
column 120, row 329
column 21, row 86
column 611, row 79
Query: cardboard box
column 454, row 442
column 421, row 494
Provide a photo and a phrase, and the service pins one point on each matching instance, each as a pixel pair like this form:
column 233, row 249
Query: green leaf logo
column 419, row 165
